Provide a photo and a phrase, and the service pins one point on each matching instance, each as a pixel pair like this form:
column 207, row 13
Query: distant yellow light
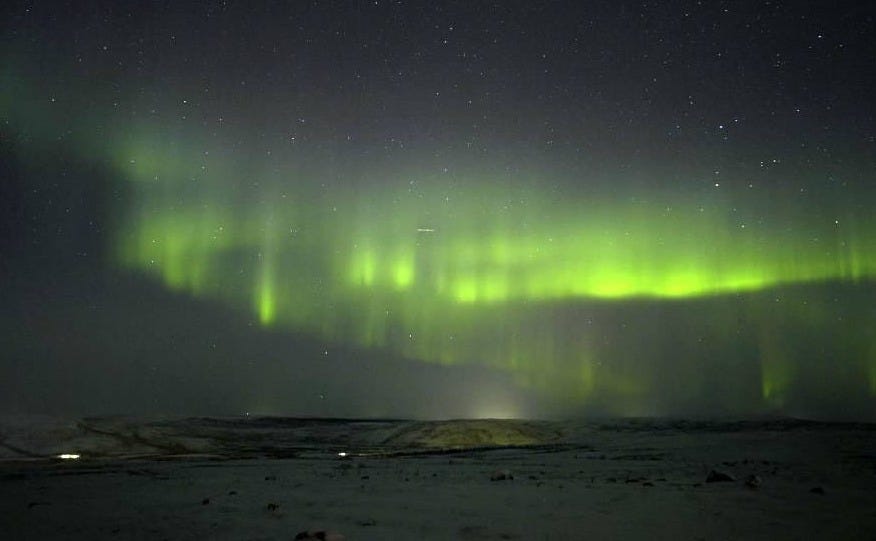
column 68, row 456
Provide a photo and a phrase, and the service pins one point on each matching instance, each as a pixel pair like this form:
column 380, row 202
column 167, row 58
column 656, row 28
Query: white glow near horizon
column 497, row 406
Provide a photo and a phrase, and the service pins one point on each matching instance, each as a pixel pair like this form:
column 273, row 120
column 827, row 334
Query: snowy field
column 271, row 478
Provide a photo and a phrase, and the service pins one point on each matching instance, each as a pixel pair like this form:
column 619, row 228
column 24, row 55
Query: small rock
column 270, row 478
column 647, row 484
column 273, row 507
column 205, row 501
column 753, row 481
column 232, row 493
column 716, row 476
column 369, row 522
column 502, row 475
column 817, row 490
column 322, row 535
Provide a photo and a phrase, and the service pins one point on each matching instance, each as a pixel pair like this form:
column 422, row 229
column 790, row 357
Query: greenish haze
column 463, row 269
column 500, row 267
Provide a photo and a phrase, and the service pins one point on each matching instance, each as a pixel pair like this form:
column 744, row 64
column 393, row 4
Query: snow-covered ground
column 271, row 478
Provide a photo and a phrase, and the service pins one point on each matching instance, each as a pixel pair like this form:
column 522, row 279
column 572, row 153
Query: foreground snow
column 270, row 478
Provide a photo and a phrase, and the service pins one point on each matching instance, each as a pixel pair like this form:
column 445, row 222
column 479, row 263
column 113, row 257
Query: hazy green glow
column 482, row 246
column 776, row 376
column 872, row 370
column 455, row 270
column 481, row 266
column 621, row 291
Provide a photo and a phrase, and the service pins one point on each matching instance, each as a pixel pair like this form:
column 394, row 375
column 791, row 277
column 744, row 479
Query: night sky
column 438, row 209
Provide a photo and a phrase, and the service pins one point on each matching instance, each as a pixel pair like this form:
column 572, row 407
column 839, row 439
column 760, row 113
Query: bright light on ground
column 68, row 456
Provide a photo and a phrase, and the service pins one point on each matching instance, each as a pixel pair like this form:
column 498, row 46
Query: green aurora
column 472, row 268
column 589, row 297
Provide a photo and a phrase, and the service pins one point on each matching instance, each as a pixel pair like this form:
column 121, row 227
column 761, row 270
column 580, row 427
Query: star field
column 610, row 207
